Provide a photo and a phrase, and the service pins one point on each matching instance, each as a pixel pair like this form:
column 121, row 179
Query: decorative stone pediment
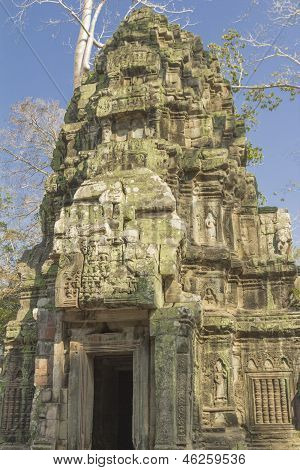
column 113, row 240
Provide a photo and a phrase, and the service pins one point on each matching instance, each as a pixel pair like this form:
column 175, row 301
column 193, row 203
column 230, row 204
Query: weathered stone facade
column 158, row 279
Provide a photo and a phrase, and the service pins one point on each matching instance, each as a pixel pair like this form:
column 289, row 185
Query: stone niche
column 161, row 309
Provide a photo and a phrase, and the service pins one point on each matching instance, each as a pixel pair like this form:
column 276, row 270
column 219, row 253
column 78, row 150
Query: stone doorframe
column 81, row 386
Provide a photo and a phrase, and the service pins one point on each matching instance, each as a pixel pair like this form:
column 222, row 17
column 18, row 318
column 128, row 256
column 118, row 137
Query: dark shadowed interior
column 113, row 396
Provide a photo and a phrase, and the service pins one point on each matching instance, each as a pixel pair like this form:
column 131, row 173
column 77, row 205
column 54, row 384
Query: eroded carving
column 220, row 380
column 154, row 241
column 211, row 229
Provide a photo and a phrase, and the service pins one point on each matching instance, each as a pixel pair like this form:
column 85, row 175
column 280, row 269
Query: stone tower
column 159, row 311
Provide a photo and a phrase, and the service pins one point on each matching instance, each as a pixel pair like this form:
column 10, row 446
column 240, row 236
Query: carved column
column 80, row 398
column 173, row 356
column 140, row 423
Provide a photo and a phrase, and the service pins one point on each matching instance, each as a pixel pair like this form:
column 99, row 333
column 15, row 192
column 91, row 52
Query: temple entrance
column 113, row 402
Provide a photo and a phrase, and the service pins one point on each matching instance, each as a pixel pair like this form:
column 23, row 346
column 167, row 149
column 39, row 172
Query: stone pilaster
column 174, row 329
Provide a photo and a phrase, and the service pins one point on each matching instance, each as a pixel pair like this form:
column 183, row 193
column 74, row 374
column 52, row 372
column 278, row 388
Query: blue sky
column 24, row 75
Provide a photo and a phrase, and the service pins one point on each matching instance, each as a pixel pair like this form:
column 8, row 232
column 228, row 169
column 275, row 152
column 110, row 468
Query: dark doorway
column 113, row 397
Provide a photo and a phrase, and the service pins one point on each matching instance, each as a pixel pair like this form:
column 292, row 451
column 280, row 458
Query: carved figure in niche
column 205, row 98
column 251, row 189
column 211, row 228
column 220, row 381
column 283, row 241
column 210, row 297
column 92, row 137
column 249, row 237
column 240, row 188
column 230, row 184
column 190, row 282
column 106, row 132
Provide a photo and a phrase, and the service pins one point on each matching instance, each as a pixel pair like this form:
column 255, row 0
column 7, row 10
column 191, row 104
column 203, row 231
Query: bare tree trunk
column 87, row 22
column 90, row 41
column 82, row 40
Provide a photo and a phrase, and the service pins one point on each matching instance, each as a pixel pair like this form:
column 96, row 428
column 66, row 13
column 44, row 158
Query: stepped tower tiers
column 159, row 311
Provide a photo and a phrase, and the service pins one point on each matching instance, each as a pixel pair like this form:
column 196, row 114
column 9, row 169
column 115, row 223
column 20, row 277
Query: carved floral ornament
column 264, row 363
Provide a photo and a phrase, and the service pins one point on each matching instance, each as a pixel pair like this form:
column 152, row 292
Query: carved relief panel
column 108, row 241
column 275, row 233
column 211, row 286
column 249, row 236
column 217, row 383
column 130, row 57
column 18, row 378
column 221, row 383
column 68, row 280
column 206, row 221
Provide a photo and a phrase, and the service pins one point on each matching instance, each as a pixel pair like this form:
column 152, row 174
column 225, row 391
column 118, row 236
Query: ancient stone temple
column 160, row 309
